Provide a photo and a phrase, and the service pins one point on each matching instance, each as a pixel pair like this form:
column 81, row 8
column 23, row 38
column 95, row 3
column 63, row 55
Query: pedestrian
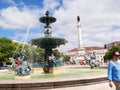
column 114, row 70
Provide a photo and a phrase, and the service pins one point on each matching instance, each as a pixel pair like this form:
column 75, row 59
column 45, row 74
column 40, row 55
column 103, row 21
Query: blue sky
column 100, row 20
column 24, row 7
column 7, row 3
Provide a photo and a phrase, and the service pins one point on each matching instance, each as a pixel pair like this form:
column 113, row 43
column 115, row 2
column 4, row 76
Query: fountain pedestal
column 54, row 70
column 28, row 77
column 37, row 70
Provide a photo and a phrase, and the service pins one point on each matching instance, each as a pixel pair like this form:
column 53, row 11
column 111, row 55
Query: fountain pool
column 68, row 72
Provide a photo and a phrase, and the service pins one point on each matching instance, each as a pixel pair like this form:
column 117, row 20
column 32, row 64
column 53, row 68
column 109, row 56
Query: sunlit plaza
column 57, row 44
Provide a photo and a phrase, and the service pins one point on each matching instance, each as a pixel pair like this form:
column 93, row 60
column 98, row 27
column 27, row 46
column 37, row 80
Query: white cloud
column 97, row 20
column 98, row 17
column 50, row 4
column 14, row 18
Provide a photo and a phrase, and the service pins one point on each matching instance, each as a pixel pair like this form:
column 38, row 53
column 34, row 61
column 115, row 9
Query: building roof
column 116, row 42
column 73, row 50
column 87, row 48
column 93, row 48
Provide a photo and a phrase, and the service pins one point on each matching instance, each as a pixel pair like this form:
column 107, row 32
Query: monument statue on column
column 81, row 50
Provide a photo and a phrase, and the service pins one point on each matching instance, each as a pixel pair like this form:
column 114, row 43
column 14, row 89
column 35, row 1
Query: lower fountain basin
column 70, row 77
column 67, row 72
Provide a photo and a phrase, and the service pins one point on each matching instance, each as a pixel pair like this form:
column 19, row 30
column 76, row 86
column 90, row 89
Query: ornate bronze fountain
column 48, row 43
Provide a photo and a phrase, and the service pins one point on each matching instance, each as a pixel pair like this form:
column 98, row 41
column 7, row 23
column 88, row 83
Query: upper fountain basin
column 48, row 42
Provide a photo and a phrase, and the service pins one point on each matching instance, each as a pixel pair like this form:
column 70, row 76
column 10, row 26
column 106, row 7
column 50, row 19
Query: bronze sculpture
column 93, row 62
column 22, row 68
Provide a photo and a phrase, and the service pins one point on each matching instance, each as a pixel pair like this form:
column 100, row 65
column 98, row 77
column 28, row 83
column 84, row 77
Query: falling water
column 23, row 41
column 28, row 30
column 30, row 52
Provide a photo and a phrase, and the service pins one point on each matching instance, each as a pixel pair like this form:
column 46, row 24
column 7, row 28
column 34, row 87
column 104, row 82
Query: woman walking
column 114, row 70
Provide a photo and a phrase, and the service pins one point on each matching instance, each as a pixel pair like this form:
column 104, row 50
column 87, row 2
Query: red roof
column 73, row 50
column 93, row 48
column 116, row 42
column 87, row 48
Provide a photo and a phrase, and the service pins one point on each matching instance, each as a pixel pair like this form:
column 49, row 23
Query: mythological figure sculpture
column 93, row 62
column 22, row 68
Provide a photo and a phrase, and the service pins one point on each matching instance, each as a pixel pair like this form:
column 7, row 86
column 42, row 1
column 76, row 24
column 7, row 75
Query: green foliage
column 9, row 49
column 108, row 55
column 66, row 58
column 38, row 53
column 6, row 49
column 56, row 53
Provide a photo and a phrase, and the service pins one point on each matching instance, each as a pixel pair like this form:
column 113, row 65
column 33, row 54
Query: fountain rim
column 43, row 84
column 53, row 82
column 103, row 77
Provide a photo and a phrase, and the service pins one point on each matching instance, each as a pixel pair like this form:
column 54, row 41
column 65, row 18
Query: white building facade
column 100, row 52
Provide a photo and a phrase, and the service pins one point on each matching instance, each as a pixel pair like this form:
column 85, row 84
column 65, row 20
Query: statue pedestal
column 28, row 77
column 37, row 70
column 56, row 70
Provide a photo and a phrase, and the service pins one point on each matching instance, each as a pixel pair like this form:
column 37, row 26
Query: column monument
column 81, row 49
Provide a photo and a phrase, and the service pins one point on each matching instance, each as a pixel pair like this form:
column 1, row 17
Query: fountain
column 48, row 43
column 71, row 77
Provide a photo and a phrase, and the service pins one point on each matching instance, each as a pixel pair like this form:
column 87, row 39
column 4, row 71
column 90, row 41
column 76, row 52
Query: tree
column 33, row 53
column 56, row 53
column 38, row 53
column 108, row 55
column 10, row 49
column 66, row 58
column 6, row 49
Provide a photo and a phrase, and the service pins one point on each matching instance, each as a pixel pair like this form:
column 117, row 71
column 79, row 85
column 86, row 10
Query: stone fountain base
column 37, row 70
column 55, row 82
column 44, row 84
column 53, row 70
column 28, row 77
